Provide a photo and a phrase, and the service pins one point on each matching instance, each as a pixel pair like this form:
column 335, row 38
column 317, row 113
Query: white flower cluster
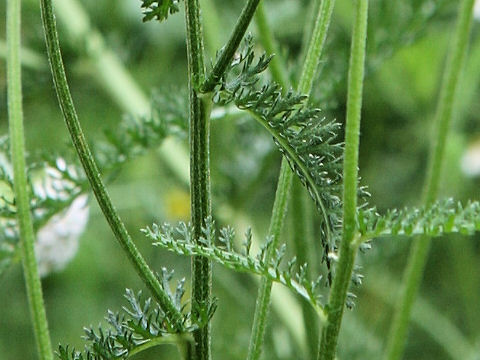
column 476, row 11
column 57, row 241
column 470, row 162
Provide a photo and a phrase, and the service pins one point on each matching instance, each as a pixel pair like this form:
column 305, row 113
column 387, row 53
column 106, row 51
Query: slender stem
column 199, row 171
column 431, row 320
column 277, row 66
column 29, row 58
column 27, row 236
column 232, row 45
column 307, row 32
column 182, row 341
column 302, row 222
column 264, row 292
column 317, row 44
column 91, row 169
column 284, row 184
column 114, row 77
column 419, row 251
column 348, row 251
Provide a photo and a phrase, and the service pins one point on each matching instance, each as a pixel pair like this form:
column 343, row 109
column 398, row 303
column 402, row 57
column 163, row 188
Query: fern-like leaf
column 159, row 9
column 141, row 325
column 179, row 241
column 441, row 218
column 305, row 137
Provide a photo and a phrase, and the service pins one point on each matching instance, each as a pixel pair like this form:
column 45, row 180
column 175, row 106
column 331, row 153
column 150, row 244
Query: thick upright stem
column 17, row 141
column 420, row 248
column 199, row 171
column 285, row 178
column 348, row 251
column 91, row 169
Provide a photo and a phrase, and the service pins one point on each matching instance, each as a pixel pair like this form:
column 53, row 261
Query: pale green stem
column 348, row 250
column 431, row 320
column 420, row 248
column 199, row 117
column 277, row 66
column 17, row 142
column 284, row 183
column 182, row 341
column 264, row 292
column 317, row 44
column 29, row 58
column 302, row 234
column 307, row 32
column 91, row 169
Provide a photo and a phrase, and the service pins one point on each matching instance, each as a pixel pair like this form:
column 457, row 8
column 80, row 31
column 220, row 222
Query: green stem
column 311, row 11
column 27, row 236
column 419, row 251
column 232, row 45
column 182, row 341
column 112, row 75
column 91, row 169
column 285, row 179
column 348, row 250
column 302, row 222
column 199, row 116
column 317, row 44
column 425, row 316
column 264, row 292
column 29, row 58
column 277, row 66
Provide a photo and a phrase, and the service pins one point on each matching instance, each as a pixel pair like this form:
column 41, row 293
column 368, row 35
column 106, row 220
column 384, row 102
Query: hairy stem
column 284, row 182
column 199, row 117
column 16, row 132
column 317, row 44
column 348, row 250
column 91, row 169
column 420, row 248
column 112, row 75
column 232, row 45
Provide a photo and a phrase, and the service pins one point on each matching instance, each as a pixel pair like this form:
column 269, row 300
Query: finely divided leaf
column 173, row 239
column 159, row 9
column 441, row 218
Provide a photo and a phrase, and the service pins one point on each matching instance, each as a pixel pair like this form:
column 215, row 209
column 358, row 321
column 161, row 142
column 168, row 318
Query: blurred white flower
column 57, row 240
column 476, row 11
column 471, row 159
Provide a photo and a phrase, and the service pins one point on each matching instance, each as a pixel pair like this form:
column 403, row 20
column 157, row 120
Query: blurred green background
column 406, row 54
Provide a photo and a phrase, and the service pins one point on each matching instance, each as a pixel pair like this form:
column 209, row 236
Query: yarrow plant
column 43, row 207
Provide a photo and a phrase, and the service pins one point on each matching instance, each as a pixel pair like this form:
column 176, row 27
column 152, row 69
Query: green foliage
column 159, row 9
column 220, row 248
column 54, row 183
column 440, row 218
column 303, row 135
column 141, row 325
column 137, row 134
column 310, row 142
